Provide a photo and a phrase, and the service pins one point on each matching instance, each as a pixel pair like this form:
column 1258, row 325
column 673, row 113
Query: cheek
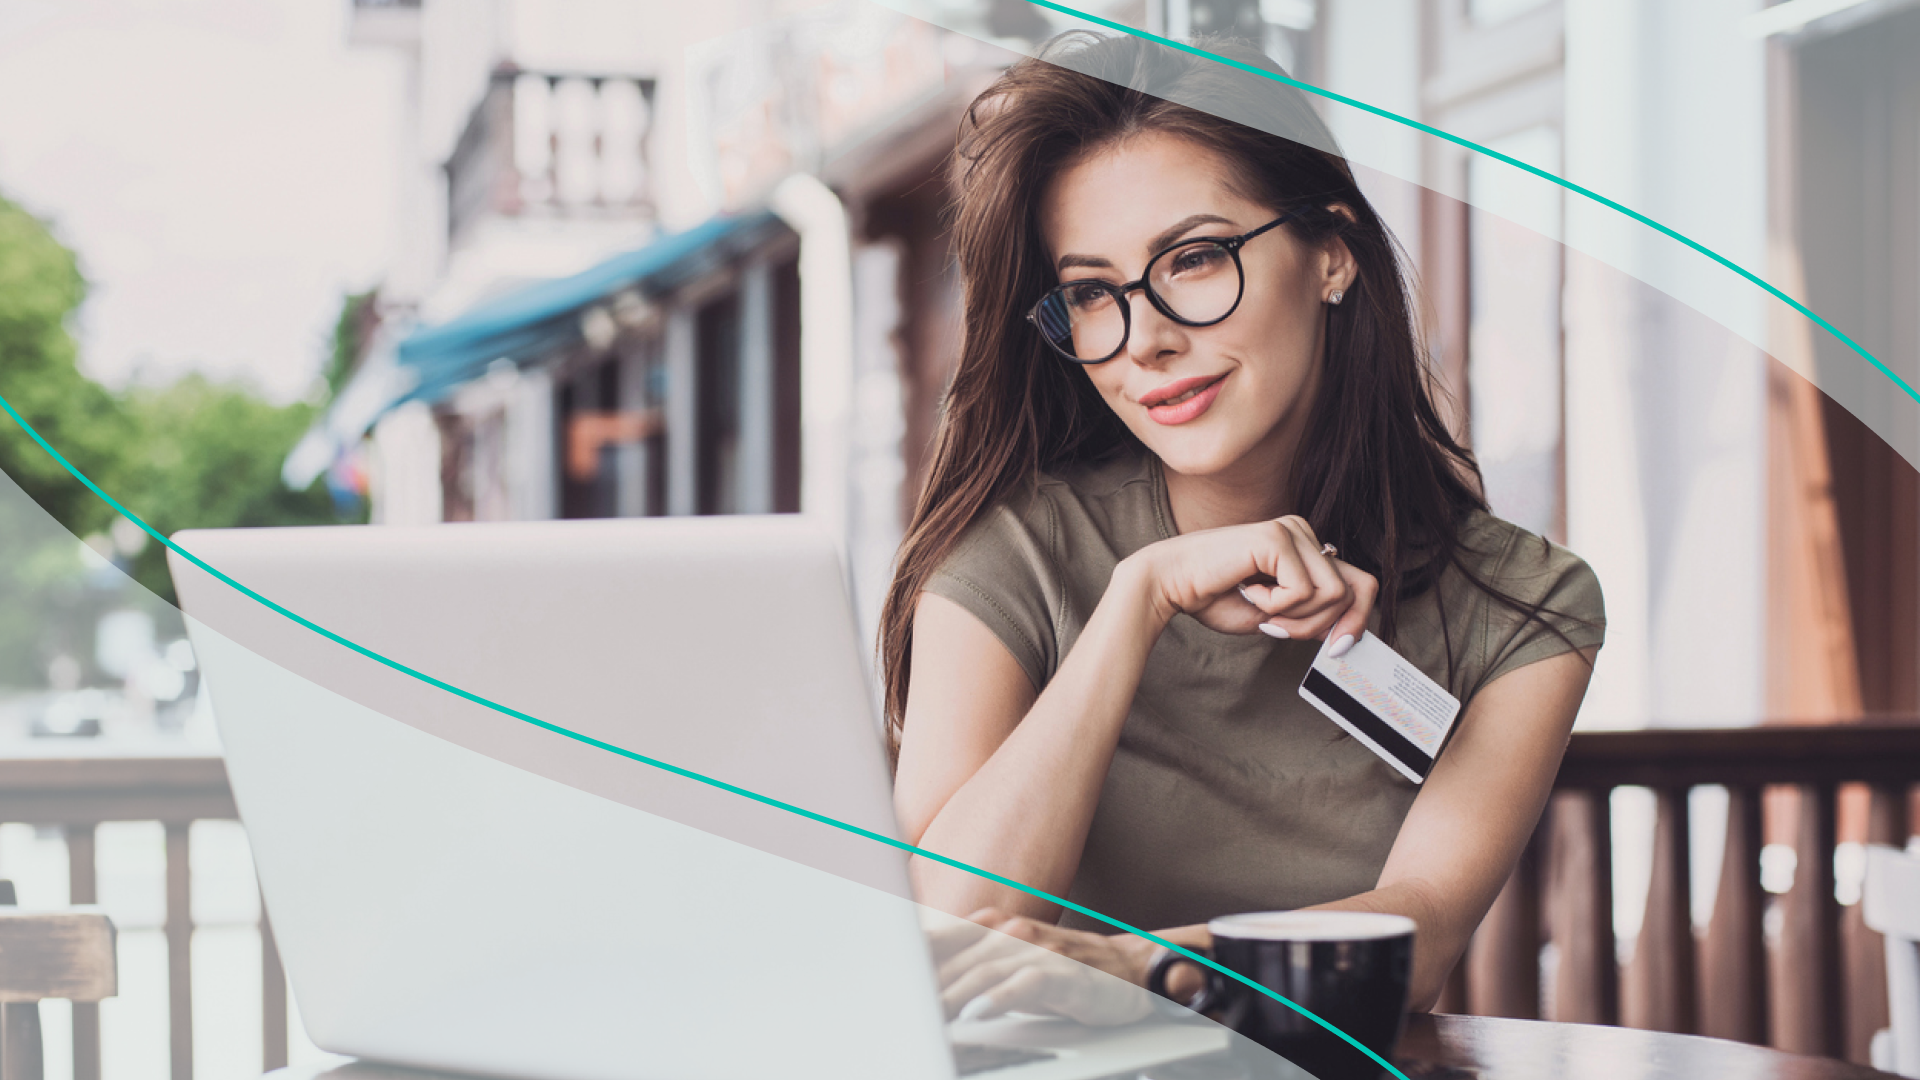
column 1106, row 380
column 1280, row 340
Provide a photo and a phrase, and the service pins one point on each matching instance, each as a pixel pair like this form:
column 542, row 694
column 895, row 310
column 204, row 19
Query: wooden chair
column 1891, row 904
column 46, row 954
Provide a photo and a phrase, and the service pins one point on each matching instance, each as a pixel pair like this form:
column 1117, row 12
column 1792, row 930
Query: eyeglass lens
column 1198, row 282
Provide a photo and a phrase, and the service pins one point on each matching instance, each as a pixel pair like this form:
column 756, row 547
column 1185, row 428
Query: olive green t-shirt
column 1228, row 792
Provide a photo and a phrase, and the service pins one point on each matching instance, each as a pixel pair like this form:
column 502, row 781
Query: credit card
column 1385, row 702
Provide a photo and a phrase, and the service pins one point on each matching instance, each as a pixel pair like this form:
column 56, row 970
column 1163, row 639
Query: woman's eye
column 1086, row 297
column 1198, row 259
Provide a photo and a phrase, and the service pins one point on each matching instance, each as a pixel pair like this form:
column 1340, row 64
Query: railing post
column 1503, row 959
column 1659, row 991
column 83, row 888
column 273, row 997
column 1587, row 986
column 1806, row 1016
column 1733, row 970
column 179, row 952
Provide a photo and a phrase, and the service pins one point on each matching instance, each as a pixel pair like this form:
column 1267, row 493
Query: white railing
column 555, row 145
column 79, row 795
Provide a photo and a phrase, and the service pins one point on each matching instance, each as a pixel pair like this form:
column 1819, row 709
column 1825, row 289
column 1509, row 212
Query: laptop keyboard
column 970, row 1059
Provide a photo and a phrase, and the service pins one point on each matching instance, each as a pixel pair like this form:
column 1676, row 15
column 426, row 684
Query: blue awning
column 520, row 327
column 539, row 319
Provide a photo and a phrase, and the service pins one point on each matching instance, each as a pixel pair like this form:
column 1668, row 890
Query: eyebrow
column 1157, row 244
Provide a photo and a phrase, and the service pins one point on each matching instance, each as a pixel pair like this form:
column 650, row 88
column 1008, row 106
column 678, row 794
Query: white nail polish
column 1339, row 648
column 1274, row 631
column 975, row 1009
column 1244, row 596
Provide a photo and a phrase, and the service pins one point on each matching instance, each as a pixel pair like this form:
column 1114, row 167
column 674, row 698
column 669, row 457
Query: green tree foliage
column 40, row 286
column 192, row 454
column 209, row 457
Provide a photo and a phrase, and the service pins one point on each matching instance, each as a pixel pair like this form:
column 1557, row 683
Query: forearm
column 1024, row 814
column 1460, row 841
column 1438, row 939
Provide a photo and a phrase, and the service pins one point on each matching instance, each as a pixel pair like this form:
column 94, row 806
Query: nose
column 1153, row 339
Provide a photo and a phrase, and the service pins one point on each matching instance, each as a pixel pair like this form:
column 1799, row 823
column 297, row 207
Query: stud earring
column 1336, row 296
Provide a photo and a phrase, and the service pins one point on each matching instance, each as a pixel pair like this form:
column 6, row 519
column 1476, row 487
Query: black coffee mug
column 1350, row 968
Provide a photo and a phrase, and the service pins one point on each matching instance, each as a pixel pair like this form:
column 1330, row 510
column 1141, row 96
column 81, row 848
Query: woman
column 1190, row 406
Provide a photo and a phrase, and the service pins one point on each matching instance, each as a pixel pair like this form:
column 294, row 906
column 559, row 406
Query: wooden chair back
column 46, row 954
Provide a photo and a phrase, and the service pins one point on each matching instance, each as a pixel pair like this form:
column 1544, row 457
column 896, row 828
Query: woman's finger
column 1028, row 989
column 1001, row 935
column 1303, row 527
column 979, row 980
column 1333, row 595
column 1339, row 627
column 1353, row 622
column 1278, row 555
column 1320, row 593
column 990, row 948
column 1320, row 567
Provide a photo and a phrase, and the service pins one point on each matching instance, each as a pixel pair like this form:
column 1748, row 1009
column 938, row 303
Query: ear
column 1338, row 268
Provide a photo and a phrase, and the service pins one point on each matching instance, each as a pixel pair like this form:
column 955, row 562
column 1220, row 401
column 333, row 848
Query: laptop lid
column 492, row 817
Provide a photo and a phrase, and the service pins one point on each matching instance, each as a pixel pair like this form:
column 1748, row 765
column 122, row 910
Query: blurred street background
column 306, row 262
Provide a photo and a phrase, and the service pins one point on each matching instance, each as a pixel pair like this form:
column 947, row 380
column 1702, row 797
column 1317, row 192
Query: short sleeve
column 1002, row 571
column 1571, row 615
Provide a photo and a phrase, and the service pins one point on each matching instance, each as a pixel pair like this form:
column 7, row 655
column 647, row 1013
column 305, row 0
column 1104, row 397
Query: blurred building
column 1759, row 541
column 664, row 262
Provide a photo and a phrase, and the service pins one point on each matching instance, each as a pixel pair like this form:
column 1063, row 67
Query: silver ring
column 1329, row 551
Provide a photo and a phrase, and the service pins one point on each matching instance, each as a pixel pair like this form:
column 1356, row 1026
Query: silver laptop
column 585, row 801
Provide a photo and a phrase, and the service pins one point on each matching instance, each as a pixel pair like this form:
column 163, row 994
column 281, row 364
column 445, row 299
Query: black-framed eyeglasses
column 1195, row 282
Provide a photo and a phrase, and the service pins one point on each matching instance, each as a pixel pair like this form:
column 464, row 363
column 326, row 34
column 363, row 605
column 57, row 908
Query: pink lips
column 1187, row 410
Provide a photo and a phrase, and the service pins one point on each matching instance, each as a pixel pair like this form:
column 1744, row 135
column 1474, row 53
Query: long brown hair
column 1377, row 473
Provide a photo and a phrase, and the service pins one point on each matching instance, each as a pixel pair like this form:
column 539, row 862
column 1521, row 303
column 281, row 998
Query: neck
column 1255, row 488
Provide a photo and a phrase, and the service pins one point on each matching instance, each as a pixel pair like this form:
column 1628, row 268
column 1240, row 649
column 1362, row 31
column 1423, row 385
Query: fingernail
column 1274, row 631
column 1339, row 648
column 977, row 1008
column 1243, row 594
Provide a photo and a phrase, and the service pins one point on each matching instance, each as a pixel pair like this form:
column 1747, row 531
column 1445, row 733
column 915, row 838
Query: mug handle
column 1164, row 962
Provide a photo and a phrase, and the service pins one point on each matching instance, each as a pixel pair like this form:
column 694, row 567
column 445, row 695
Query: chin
column 1193, row 457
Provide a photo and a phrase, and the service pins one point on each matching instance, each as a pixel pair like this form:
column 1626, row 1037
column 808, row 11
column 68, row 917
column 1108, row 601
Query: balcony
column 1781, row 963
column 75, row 797
column 552, row 147
column 1778, row 958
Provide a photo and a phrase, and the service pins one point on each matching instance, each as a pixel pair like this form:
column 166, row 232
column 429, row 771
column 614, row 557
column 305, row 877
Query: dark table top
column 1488, row 1049
column 1479, row 1048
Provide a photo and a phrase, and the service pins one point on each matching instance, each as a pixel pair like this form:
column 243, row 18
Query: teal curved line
column 1492, row 153
column 665, row 766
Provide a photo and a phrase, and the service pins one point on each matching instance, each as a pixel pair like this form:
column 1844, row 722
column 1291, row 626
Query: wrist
column 1136, row 581
column 1185, row 979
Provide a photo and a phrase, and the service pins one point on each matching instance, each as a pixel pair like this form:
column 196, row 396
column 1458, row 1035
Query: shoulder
column 1050, row 514
column 1021, row 526
column 1528, row 567
column 1054, row 536
column 1514, row 598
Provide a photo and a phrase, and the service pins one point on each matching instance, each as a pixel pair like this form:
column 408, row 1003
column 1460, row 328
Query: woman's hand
column 994, row 963
column 1270, row 576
